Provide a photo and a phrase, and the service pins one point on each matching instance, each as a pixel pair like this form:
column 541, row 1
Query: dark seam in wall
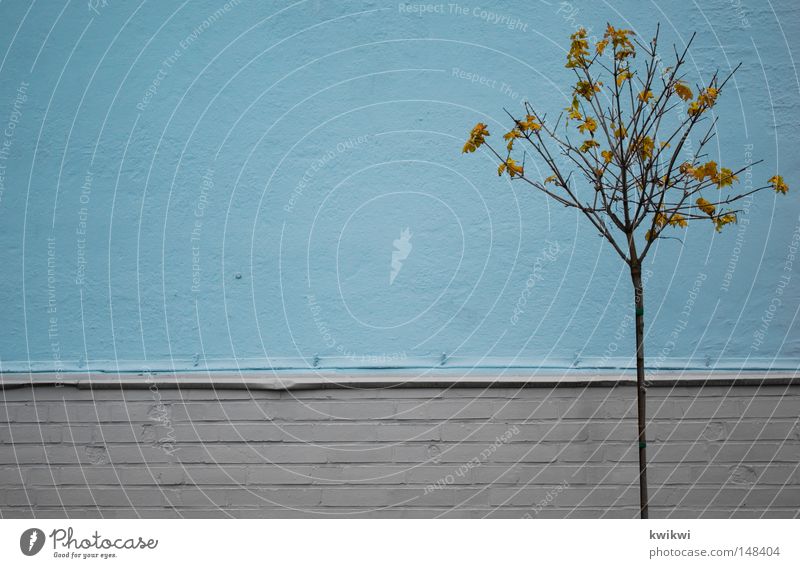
column 140, row 382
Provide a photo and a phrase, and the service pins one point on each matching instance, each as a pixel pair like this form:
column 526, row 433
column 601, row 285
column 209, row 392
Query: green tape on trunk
column 639, row 311
column 642, row 445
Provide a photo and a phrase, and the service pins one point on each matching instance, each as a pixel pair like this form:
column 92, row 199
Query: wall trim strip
column 372, row 380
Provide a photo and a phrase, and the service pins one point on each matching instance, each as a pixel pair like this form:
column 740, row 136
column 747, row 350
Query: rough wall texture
column 191, row 186
column 459, row 452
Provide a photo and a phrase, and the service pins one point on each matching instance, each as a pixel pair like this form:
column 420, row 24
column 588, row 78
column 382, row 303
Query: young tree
column 635, row 173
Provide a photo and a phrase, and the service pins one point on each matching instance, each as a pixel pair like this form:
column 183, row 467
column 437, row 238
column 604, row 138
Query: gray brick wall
column 715, row 451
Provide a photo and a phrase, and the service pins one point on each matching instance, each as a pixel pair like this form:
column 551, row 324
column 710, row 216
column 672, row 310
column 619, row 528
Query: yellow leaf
column 511, row 167
column 678, row 220
column 709, row 96
column 709, row 170
column 724, row 178
column 645, row 148
column 530, row 123
column 572, row 110
column 722, row 220
column 778, row 184
column 578, row 50
column 589, row 125
column 623, row 46
column 586, row 89
column 645, row 96
column 683, row 91
column 476, row 138
column 687, row 169
column 588, row 144
column 511, row 136
column 705, row 206
column 607, row 155
column 705, row 100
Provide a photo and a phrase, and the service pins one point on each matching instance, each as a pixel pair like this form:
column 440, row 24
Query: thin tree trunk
column 641, row 388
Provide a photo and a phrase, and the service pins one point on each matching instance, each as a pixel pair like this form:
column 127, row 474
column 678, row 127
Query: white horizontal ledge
column 396, row 363
column 369, row 380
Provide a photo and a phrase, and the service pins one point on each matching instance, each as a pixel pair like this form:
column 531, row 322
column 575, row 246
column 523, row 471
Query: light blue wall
column 199, row 159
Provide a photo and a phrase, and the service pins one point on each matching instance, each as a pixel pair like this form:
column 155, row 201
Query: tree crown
column 641, row 172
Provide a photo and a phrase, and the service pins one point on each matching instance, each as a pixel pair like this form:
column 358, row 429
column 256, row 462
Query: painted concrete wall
column 207, row 184
column 566, row 452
